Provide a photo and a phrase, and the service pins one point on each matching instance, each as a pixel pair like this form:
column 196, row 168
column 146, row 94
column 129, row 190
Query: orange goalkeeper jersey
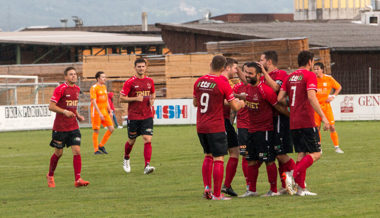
column 99, row 92
column 324, row 86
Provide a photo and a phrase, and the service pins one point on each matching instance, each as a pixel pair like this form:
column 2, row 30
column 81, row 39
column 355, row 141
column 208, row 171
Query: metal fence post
column 369, row 80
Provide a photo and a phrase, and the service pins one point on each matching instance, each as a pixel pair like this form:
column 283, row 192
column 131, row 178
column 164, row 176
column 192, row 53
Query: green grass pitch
column 347, row 184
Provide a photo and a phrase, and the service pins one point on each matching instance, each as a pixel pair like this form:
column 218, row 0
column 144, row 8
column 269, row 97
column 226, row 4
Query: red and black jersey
column 296, row 86
column 210, row 92
column 260, row 100
column 66, row 97
column 134, row 87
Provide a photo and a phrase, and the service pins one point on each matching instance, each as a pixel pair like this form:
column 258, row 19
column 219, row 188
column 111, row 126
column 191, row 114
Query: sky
column 17, row 14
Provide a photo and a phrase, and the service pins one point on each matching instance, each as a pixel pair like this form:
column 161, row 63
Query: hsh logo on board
column 170, row 111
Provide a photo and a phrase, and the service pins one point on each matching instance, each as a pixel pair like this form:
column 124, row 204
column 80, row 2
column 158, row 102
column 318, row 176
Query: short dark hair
column 97, row 75
column 304, row 57
column 271, row 55
column 68, row 69
column 230, row 62
column 255, row 65
column 140, row 60
column 218, row 63
column 320, row 65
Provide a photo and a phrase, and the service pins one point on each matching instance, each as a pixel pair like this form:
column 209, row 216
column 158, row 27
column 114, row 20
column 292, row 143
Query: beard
column 251, row 80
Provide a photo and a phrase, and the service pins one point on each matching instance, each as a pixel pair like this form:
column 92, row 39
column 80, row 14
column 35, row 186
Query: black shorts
column 306, row 140
column 232, row 140
column 243, row 140
column 213, row 143
column 260, row 147
column 67, row 138
column 282, row 141
column 140, row 127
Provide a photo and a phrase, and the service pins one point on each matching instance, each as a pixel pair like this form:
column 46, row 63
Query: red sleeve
column 270, row 95
column 227, row 91
column 281, row 77
column 311, row 81
column 126, row 88
column 57, row 94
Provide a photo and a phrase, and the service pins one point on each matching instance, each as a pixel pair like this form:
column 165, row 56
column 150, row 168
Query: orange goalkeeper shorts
column 327, row 110
column 96, row 121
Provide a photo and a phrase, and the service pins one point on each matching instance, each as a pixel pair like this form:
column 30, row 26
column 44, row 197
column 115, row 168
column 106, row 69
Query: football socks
column 218, row 176
column 53, row 164
column 77, row 162
column 230, row 171
column 207, row 171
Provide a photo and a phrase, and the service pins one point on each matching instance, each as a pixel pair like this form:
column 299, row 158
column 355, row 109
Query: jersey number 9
column 205, row 97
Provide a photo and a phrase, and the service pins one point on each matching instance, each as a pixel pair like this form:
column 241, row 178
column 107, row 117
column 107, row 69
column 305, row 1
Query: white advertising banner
column 26, row 117
column 356, row 107
column 174, row 111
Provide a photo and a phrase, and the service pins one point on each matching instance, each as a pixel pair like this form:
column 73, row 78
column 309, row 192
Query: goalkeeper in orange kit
column 100, row 113
column 325, row 84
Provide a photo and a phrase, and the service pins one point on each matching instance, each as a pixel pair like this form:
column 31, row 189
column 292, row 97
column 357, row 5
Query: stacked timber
column 183, row 70
column 119, row 68
column 251, row 50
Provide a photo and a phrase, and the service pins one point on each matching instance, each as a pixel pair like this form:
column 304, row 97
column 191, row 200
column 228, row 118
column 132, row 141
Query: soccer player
column 139, row 93
column 66, row 132
column 301, row 87
column 325, row 84
column 209, row 94
column 260, row 101
column 282, row 138
column 242, row 123
column 100, row 113
column 232, row 140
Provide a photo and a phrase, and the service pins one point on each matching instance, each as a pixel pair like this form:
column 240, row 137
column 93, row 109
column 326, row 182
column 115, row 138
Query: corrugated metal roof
column 110, row 29
column 336, row 35
column 76, row 38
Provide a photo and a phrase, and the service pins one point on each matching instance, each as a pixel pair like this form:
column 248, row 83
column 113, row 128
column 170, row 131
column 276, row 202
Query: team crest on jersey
column 148, row 85
column 255, row 97
column 324, row 84
column 68, row 96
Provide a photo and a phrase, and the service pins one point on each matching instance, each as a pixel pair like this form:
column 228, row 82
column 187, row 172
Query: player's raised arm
column 241, row 76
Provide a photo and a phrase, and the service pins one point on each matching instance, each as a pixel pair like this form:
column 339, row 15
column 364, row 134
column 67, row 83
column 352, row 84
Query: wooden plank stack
column 114, row 66
column 251, row 50
column 119, row 68
column 183, row 70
